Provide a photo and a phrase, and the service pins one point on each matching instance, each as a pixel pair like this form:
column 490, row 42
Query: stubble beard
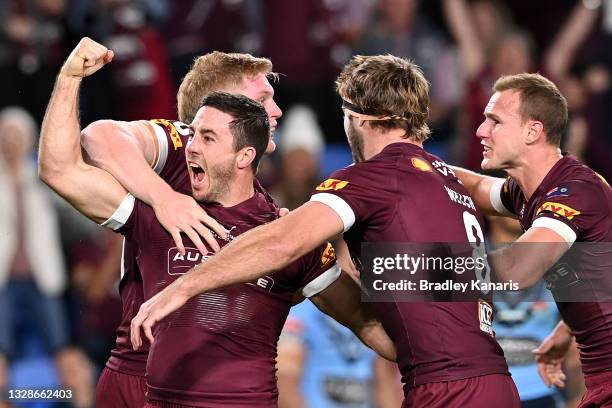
column 221, row 177
column 355, row 139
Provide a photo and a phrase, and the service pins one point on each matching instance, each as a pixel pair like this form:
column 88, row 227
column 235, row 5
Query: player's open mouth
column 486, row 149
column 197, row 173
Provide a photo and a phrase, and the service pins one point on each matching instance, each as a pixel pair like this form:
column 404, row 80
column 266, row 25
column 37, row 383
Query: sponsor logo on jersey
column 485, row 317
column 558, row 192
column 420, row 164
column 443, row 168
column 561, row 275
column 172, row 131
column 265, row 282
column 332, row 184
column 179, row 264
column 329, row 255
column 560, row 210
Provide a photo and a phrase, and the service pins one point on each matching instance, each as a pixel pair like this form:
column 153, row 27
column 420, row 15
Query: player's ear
column 535, row 131
column 245, row 156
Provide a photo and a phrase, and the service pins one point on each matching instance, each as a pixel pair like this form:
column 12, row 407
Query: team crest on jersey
column 329, row 255
column 420, row 164
column 171, row 129
column 560, row 210
column 485, row 317
column 332, row 184
column 558, row 192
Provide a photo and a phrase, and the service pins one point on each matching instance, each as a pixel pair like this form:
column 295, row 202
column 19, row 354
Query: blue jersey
column 522, row 321
column 338, row 368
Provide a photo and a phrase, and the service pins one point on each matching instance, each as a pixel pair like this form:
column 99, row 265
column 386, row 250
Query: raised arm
column 130, row 152
column 560, row 55
column 461, row 25
column 92, row 191
column 342, row 301
column 254, row 254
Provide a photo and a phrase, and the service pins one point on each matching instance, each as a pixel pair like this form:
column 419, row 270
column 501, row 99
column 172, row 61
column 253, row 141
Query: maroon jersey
column 220, row 348
column 575, row 202
column 171, row 138
column 405, row 195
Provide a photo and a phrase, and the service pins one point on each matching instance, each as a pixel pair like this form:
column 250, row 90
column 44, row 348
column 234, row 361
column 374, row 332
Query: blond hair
column 216, row 71
column 385, row 85
column 540, row 100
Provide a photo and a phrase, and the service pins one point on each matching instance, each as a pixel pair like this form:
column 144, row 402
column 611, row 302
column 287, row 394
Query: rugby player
column 396, row 192
column 223, row 342
column 129, row 150
column 559, row 201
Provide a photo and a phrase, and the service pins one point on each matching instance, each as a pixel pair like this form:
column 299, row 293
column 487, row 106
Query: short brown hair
column 385, row 85
column 249, row 126
column 216, row 71
column 540, row 100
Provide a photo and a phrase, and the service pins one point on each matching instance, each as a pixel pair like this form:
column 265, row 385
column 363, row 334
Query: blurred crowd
column 64, row 271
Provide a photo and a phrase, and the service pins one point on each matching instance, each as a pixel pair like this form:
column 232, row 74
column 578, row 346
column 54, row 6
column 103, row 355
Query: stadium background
column 308, row 41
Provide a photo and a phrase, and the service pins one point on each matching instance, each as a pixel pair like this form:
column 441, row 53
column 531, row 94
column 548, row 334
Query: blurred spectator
column 140, row 82
column 32, row 273
column 398, row 28
column 197, row 27
column 586, row 89
column 32, row 47
column 301, row 144
column 95, row 272
column 324, row 365
column 485, row 54
column 491, row 51
column 299, row 38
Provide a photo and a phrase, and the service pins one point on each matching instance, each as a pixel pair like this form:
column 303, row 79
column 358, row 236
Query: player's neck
column 530, row 174
column 374, row 145
column 240, row 190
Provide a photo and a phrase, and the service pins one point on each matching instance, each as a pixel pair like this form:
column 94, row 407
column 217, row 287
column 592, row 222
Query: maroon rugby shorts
column 118, row 390
column 494, row 390
column 599, row 391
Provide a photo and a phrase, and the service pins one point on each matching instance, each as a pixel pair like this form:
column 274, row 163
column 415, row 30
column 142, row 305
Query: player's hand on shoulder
column 179, row 213
column 86, row 58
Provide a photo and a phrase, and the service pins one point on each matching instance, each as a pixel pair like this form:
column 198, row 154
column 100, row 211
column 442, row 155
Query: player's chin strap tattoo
column 364, row 114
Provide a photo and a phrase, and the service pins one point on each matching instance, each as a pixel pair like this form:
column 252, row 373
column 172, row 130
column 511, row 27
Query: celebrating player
column 558, row 201
column 396, row 192
column 129, row 151
column 227, row 338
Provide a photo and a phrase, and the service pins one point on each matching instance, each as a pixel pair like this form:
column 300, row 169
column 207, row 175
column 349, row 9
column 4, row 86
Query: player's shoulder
column 169, row 124
column 577, row 180
column 378, row 170
column 177, row 131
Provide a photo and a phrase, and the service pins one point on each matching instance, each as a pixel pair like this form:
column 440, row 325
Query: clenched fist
column 88, row 57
